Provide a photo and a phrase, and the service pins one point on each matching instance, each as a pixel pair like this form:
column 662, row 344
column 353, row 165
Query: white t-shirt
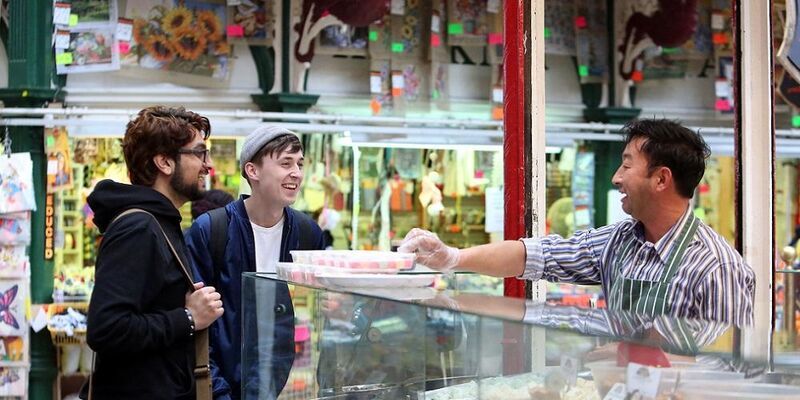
column 268, row 246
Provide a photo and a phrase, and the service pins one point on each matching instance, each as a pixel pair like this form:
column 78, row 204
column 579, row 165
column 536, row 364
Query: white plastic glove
column 431, row 251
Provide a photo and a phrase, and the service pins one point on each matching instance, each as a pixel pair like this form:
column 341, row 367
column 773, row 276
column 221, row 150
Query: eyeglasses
column 200, row 153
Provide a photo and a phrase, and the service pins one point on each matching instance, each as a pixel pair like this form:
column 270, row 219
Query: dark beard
column 191, row 192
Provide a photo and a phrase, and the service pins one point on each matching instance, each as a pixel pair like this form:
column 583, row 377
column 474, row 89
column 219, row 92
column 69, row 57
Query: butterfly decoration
column 5, row 303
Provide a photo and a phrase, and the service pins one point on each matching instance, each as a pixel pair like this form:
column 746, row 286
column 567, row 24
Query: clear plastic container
column 607, row 373
column 713, row 390
column 356, row 260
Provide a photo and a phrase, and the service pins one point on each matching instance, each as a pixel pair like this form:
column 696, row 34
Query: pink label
column 436, row 40
column 723, row 105
column 495, row 38
column 580, row 22
column 235, row 31
column 124, row 47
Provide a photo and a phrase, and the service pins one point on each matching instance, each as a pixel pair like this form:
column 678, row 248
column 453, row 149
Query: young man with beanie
column 145, row 314
column 260, row 231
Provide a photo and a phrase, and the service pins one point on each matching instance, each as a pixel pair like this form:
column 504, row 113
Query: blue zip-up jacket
column 226, row 333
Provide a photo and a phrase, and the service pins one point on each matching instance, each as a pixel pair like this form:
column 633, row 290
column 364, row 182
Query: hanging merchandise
column 13, row 297
column 59, row 162
column 583, row 190
column 15, row 228
column 253, row 21
column 559, row 34
column 16, row 183
column 189, row 38
column 466, row 23
column 439, row 57
column 380, row 87
column 86, row 36
column 591, row 40
column 14, row 262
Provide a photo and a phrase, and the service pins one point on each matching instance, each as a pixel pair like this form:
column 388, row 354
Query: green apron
column 649, row 297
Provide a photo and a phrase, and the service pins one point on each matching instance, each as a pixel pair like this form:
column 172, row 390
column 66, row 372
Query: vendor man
column 663, row 260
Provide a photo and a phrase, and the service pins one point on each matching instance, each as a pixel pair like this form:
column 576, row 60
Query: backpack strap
column 219, row 238
column 305, row 231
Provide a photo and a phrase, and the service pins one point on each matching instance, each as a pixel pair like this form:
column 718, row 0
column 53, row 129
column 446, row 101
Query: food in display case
column 356, row 261
column 521, row 387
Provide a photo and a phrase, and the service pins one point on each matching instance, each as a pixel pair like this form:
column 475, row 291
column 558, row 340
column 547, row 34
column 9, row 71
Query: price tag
column 398, row 82
column 235, row 31
column 64, row 58
column 398, row 7
column 124, row 47
column 375, row 84
column 124, row 30
column 717, row 21
column 722, row 88
column 617, row 392
column 643, row 380
column 62, row 40
column 61, row 13
column 493, row 6
column 436, row 24
column 73, row 19
column 497, row 94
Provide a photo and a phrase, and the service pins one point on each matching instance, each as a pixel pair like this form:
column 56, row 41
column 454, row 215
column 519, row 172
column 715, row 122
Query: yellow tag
column 73, row 19
column 64, row 58
column 28, row 309
column 24, row 93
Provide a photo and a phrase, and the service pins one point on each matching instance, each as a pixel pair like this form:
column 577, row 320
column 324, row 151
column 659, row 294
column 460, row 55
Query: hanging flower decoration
column 177, row 19
column 182, row 39
column 189, row 43
column 211, row 24
column 160, row 48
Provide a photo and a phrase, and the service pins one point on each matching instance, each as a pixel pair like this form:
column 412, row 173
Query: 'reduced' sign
column 49, row 225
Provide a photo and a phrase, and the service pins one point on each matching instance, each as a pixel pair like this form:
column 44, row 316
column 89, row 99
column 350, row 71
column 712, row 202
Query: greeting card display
column 59, row 163
column 13, row 381
column 466, row 22
column 254, row 21
column 15, row 229
column 16, row 183
column 14, row 261
column 13, row 295
column 88, row 50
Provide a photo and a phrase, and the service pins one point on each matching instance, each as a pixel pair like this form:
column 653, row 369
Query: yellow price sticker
column 64, row 58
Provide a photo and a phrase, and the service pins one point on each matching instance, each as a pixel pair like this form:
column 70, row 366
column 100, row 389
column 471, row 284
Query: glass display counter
column 396, row 342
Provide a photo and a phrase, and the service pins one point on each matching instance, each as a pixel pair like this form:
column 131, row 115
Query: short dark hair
column 158, row 130
column 212, row 199
column 288, row 142
column 669, row 144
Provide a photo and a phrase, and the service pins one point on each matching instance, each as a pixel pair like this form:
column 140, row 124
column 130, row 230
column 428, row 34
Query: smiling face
column 635, row 180
column 191, row 170
column 278, row 177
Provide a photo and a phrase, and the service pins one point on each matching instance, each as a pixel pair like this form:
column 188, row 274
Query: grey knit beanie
column 257, row 140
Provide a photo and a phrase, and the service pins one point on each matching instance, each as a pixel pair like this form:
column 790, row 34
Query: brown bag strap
column 202, row 369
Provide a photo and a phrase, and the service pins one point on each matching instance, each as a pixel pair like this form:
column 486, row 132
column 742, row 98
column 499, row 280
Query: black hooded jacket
column 137, row 324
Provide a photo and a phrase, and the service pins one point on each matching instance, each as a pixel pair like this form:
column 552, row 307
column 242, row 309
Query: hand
column 205, row 304
column 431, row 251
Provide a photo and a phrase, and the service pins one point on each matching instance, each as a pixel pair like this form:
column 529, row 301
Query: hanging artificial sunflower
column 189, row 43
column 139, row 30
column 209, row 22
column 176, row 19
column 159, row 47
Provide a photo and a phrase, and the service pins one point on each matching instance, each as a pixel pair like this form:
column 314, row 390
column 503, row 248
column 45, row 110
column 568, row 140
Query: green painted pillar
column 30, row 73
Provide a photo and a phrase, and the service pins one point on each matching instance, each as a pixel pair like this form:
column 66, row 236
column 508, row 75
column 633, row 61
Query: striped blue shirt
column 712, row 283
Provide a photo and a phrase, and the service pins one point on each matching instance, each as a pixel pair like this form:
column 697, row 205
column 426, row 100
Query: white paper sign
column 398, row 82
column 61, row 13
column 234, row 2
column 497, row 95
column 375, row 84
column 436, row 24
column 494, row 209
column 722, row 88
column 124, row 31
column 643, row 379
column 398, row 7
column 52, row 167
column 493, row 6
column 62, row 40
column 717, row 22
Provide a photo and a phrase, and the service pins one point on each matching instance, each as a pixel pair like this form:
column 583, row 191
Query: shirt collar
column 667, row 242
